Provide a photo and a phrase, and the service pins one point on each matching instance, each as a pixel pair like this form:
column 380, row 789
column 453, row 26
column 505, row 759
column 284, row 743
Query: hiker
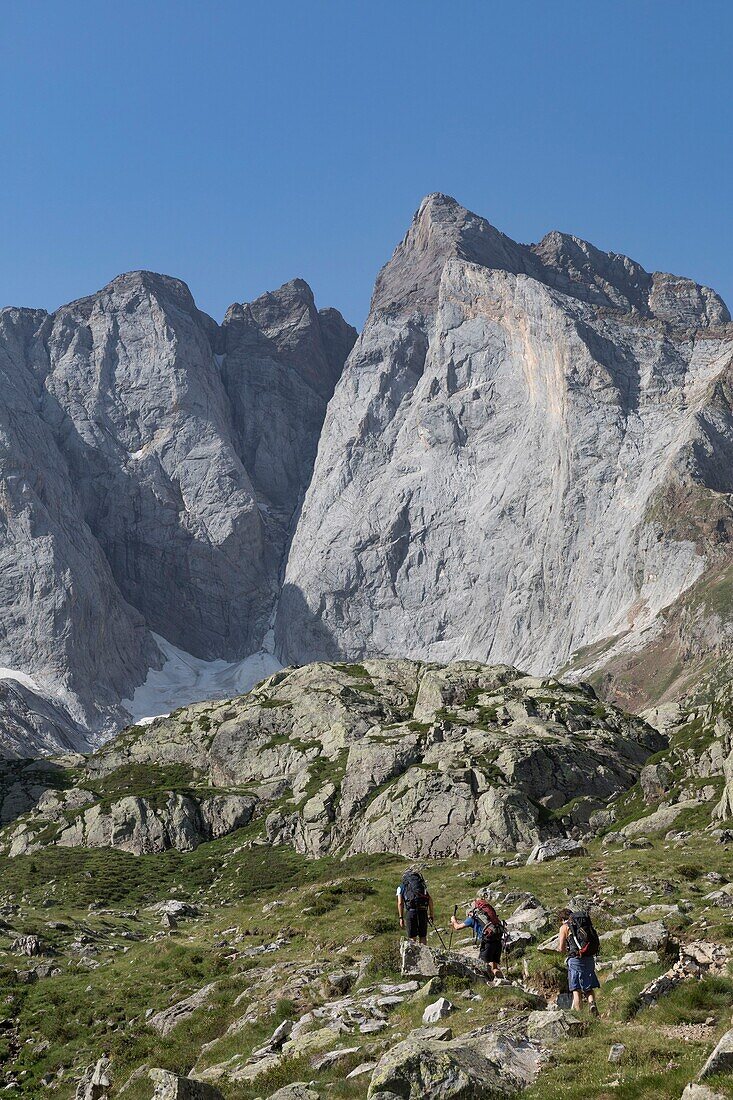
column 415, row 905
column 488, row 932
column 579, row 940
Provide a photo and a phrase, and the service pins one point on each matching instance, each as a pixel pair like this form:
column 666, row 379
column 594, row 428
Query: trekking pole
column 450, row 938
column 437, row 933
column 505, row 942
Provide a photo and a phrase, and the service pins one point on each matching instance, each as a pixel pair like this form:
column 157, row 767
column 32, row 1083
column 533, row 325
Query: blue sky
column 238, row 145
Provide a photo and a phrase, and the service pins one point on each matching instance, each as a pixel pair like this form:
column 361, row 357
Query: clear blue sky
column 240, row 144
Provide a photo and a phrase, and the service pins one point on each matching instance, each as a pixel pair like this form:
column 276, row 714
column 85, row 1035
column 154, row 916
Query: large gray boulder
column 169, row 1018
column 553, row 1025
column 481, row 1066
column 653, row 936
column 556, row 848
column 655, row 781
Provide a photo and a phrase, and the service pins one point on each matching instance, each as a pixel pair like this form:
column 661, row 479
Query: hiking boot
column 594, row 1009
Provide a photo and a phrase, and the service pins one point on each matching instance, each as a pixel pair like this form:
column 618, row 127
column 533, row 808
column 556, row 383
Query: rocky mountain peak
column 580, row 269
column 491, row 466
column 610, row 279
column 441, row 229
column 286, row 326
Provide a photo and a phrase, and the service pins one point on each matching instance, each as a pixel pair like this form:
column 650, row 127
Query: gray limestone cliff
column 151, row 463
column 500, row 467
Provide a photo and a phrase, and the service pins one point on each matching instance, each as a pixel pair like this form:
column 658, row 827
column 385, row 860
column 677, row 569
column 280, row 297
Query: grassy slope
column 81, row 1012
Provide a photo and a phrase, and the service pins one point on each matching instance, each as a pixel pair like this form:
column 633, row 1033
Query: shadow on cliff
column 301, row 635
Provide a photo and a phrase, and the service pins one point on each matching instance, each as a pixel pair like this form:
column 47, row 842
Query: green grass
column 329, row 904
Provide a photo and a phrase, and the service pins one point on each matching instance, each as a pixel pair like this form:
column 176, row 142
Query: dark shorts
column 582, row 975
column 416, row 922
column 490, row 950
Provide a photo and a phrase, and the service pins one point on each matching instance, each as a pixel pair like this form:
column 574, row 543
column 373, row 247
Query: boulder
column 417, row 960
column 721, row 1059
column 333, row 1057
column 616, row 1053
column 96, row 1081
column 175, row 908
column 552, row 1025
column 646, row 937
column 361, row 1070
column 340, row 981
column 27, row 945
column 420, row 961
column 164, row 1022
column 555, row 849
column 437, row 1011
column 297, row 1091
column 471, row 1068
column 170, row 1086
column 694, row 1091
column 655, row 780
column 533, row 919
column 634, row 960
column 658, row 822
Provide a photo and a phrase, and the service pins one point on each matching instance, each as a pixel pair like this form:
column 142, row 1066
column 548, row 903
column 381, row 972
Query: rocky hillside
column 388, row 756
column 527, row 460
column 243, row 969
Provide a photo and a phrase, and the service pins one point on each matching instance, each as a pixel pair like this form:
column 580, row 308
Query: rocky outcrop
column 170, row 1018
column 152, row 463
column 171, row 1086
column 96, row 1081
column 525, row 460
column 721, row 1059
column 134, row 824
column 484, row 1064
column 388, row 756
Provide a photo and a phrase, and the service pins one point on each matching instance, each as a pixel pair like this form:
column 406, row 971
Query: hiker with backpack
column 488, row 933
column 415, row 905
column 579, row 940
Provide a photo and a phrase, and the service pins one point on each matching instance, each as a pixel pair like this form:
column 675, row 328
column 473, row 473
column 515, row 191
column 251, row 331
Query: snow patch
column 186, row 679
column 22, row 678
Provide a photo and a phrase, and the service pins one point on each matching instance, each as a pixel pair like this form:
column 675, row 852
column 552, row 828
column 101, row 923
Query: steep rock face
column 282, row 359
column 395, row 756
column 64, row 621
column 135, row 399
column 491, row 461
column 150, row 465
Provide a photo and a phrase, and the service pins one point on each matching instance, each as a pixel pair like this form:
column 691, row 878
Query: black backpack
column 414, row 890
column 583, row 941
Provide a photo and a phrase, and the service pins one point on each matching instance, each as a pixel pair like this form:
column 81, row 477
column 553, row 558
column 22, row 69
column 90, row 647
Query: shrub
column 385, row 957
column 376, row 926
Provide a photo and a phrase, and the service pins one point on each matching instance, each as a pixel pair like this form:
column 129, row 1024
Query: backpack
column 414, row 890
column 486, row 923
column 583, row 941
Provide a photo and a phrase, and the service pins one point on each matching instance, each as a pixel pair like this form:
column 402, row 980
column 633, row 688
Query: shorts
column 582, row 975
column 490, row 950
column 416, row 921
